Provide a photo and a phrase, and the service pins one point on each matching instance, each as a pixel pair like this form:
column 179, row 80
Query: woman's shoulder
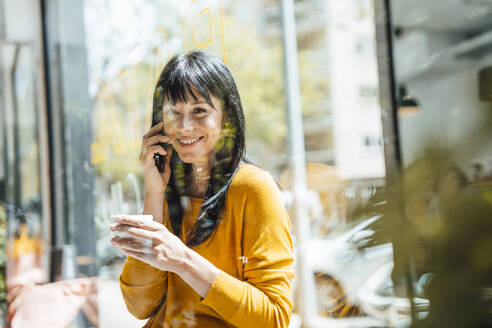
column 250, row 177
column 256, row 190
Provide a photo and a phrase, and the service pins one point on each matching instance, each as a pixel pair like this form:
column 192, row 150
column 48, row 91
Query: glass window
column 103, row 60
column 22, row 208
column 332, row 72
column 441, row 56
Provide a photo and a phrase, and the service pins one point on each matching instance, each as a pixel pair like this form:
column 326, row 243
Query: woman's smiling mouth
column 189, row 141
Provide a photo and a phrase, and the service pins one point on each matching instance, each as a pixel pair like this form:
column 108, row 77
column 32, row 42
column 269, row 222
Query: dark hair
column 209, row 76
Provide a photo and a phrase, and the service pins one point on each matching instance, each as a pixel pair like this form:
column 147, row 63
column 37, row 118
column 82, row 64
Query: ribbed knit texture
column 253, row 249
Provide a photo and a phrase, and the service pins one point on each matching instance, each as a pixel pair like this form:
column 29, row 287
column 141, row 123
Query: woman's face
column 193, row 127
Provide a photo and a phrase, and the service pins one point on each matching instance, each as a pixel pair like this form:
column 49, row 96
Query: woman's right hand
column 155, row 181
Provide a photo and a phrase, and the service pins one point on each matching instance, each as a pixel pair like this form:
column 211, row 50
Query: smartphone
column 158, row 158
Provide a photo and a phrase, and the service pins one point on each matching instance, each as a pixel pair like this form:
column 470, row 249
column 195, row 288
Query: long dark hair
column 209, row 76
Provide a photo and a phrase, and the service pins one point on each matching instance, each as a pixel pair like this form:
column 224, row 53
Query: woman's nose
column 186, row 123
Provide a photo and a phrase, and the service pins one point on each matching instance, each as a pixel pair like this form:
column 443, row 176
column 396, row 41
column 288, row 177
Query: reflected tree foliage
column 441, row 226
column 123, row 104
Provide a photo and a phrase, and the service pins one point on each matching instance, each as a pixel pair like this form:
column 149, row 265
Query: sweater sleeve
column 142, row 285
column 264, row 298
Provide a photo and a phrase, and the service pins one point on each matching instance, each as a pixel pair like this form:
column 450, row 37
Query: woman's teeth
column 187, row 142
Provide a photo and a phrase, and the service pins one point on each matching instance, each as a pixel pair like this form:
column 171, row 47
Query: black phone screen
column 158, row 158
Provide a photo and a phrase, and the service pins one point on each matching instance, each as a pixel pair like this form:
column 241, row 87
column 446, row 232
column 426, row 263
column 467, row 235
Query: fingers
column 14, row 292
column 156, row 149
column 142, row 233
column 15, row 297
column 154, row 130
column 149, row 156
column 113, row 226
column 135, row 245
column 150, row 146
column 79, row 287
column 14, row 305
column 121, row 230
column 147, row 258
column 139, row 223
column 154, row 140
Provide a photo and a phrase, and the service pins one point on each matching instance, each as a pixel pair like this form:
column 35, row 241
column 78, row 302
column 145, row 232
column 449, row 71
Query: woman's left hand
column 150, row 242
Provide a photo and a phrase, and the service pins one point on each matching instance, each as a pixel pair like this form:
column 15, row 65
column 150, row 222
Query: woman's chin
column 192, row 158
column 188, row 160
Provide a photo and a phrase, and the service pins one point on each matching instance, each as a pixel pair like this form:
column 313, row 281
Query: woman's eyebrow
column 202, row 102
column 198, row 102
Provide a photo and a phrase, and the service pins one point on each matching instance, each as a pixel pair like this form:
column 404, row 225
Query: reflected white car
column 377, row 298
column 341, row 265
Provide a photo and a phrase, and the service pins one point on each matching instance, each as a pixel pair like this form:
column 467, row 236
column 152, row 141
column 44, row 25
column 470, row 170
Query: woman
column 221, row 252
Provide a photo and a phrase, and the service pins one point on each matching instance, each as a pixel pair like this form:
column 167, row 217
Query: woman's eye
column 172, row 114
column 199, row 111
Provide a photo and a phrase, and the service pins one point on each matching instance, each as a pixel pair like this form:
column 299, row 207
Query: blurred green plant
column 449, row 235
column 441, row 227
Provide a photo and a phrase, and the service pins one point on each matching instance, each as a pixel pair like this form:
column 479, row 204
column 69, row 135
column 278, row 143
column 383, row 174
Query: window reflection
column 122, row 86
column 21, row 210
column 101, row 70
column 444, row 128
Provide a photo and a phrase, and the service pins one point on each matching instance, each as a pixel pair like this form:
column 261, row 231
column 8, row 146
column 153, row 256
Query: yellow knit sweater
column 251, row 246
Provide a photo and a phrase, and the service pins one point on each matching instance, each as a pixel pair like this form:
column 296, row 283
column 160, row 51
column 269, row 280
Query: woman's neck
column 200, row 176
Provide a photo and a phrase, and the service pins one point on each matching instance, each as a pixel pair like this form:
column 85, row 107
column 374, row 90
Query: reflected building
column 339, row 37
column 441, row 59
column 354, row 90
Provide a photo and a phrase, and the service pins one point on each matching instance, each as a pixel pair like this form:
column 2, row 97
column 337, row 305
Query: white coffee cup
column 143, row 217
column 125, row 234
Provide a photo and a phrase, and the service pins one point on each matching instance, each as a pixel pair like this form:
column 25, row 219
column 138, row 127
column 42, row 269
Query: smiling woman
column 193, row 128
column 221, row 253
